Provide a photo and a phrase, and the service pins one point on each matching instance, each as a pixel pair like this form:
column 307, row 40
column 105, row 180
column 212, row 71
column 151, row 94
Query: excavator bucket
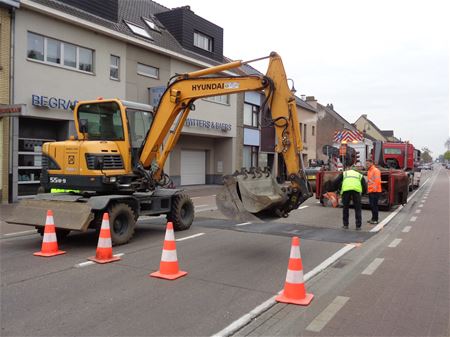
column 249, row 192
column 67, row 212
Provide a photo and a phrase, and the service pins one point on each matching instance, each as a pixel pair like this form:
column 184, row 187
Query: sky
column 386, row 59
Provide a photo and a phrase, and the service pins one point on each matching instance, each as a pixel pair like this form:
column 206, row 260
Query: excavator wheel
column 122, row 222
column 182, row 212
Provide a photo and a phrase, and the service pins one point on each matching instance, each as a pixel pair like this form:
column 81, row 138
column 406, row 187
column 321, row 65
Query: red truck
column 399, row 174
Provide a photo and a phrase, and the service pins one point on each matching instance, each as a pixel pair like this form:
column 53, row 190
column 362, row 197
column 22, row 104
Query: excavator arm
column 253, row 190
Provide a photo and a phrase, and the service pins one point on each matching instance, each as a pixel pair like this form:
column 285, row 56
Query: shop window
column 251, row 115
column 114, row 67
column 59, row 53
column 250, row 156
column 203, row 41
column 149, row 71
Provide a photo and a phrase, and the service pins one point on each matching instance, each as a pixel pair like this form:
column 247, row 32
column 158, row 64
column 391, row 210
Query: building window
column 148, row 71
column 70, row 55
column 251, row 115
column 138, row 30
column 35, row 47
column 203, row 41
column 85, row 59
column 223, row 99
column 151, row 25
column 313, row 130
column 114, row 67
column 304, row 133
column 250, row 156
column 60, row 53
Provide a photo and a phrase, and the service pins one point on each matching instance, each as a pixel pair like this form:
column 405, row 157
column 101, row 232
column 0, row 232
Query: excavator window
column 104, row 121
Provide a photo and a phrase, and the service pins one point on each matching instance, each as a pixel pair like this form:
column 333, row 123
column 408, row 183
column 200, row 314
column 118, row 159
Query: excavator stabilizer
column 67, row 213
column 249, row 192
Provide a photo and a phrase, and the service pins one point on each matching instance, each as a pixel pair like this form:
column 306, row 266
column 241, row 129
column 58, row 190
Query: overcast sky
column 387, row 59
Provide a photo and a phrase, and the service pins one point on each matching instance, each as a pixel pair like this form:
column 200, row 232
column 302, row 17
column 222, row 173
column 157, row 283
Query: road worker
column 373, row 189
column 352, row 184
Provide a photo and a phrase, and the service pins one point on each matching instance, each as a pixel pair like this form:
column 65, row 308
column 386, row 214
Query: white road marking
column 386, row 220
column 329, row 312
column 373, row 266
column 84, row 264
column 198, row 206
column 418, row 211
column 32, row 231
column 88, row 263
column 406, row 229
column 421, row 205
column 242, row 224
column 190, row 237
column 302, row 207
column 413, row 219
column 240, row 322
column 394, row 243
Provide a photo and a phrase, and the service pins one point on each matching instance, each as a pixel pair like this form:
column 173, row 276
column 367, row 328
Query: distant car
column 448, row 166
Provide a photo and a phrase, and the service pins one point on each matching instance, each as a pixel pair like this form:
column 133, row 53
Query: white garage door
column 193, row 167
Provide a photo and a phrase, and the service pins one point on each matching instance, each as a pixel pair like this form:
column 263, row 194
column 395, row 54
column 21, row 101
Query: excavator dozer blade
column 66, row 214
column 246, row 194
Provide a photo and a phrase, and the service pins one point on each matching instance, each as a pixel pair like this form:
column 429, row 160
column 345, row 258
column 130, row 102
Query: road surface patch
column 325, row 316
column 373, row 266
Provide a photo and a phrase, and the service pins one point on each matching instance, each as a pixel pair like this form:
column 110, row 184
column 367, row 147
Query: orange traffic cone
column 49, row 242
column 104, row 252
column 294, row 288
column 168, row 268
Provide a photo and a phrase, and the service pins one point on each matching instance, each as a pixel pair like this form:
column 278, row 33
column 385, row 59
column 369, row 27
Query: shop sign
column 11, row 110
column 200, row 123
column 52, row 102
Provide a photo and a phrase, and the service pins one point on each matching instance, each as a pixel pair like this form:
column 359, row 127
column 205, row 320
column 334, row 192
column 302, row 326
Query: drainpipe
column 11, row 101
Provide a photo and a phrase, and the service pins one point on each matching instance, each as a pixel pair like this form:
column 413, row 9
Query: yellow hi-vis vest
column 351, row 181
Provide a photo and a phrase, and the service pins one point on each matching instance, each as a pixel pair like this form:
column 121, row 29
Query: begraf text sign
column 51, row 102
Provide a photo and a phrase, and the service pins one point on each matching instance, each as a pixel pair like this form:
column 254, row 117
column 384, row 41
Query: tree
column 447, row 155
column 447, row 144
column 426, row 157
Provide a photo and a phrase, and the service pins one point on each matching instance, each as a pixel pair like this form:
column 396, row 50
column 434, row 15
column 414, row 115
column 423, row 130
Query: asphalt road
column 232, row 268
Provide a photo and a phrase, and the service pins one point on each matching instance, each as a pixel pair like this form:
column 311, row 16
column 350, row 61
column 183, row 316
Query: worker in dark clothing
column 351, row 184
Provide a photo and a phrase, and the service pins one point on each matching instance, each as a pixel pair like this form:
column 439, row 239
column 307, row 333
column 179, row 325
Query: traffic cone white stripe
column 295, row 252
column 294, row 276
column 104, row 243
column 49, row 220
column 49, row 237
column 169, row 255
column 105, row 224
column 170, row 236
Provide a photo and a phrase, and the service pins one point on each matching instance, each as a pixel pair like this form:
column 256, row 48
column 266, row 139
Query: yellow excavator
column 115, row 162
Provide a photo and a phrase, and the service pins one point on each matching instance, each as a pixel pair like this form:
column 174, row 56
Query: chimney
column 311, row 101
column 330, row 106
column 364, row 116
